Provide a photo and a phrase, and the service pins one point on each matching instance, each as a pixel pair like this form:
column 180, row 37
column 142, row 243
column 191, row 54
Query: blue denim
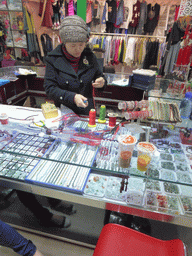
column 9, row 237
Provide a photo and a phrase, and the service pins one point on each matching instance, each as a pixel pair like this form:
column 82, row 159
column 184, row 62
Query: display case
column 11, row 13
column 81, row 164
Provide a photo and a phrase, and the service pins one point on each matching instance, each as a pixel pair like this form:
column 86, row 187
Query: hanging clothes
column 89, row 12
column 172, row 39
column 48, row 13
column 46, row 43
column 117, row 44
column 151, row 54
column 121, row 56
column 107, row 50
column 112, row 8
column 161, row 53
column 120, row 13
column 55, row 40
column 176, row 12
column 29, row 29
column 70, row 8
column 62, row 11
column 105, row 13
column 96, row 13
column 41, row 7
column 171, row 58
column 162, row 23
column 136, row 14
column 142, row 18
column 152, row 18
column 185, row 53
column 128, row 13
column 130, row 52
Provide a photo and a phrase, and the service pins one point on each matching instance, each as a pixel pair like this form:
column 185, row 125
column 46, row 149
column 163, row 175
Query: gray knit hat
column 73, row 29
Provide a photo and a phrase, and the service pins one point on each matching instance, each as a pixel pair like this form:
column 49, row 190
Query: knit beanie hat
column 73, row 29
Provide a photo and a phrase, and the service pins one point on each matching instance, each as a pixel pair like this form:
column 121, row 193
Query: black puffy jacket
column 61, row 82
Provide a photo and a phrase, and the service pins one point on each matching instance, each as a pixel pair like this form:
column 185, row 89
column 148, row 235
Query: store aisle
column 51, row 247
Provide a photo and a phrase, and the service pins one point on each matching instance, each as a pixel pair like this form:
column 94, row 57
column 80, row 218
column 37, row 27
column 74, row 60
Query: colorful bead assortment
column 96, row 185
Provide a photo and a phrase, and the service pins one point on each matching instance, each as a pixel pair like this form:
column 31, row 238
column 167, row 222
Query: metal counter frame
column 105, row 204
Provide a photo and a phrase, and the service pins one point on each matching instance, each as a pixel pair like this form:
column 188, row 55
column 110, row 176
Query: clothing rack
column 126, row 35
column 128, row 58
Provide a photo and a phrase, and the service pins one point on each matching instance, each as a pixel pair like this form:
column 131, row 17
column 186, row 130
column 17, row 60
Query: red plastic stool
column 117, row 240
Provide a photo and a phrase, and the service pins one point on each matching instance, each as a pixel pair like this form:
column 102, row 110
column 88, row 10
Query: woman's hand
column 80, row 101
column 99, row 82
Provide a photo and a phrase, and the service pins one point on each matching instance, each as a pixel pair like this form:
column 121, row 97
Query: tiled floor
column 51, row 247
column 86, row 227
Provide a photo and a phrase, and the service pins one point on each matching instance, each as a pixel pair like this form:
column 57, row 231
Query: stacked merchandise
column 164, row 111
column 143, row 79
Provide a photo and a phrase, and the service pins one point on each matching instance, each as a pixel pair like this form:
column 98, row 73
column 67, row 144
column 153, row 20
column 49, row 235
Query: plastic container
column 186, row 106
column 4, row 119
column 183, row 177
column 96, row 185
column 113, row 189
column 144, row 156
column 183, row 167
column 126, row 147
column 166, row 157
column 153, row 185
column 171, row 188
column 186, row 203
column 179, row 158
column 134, row 197
column 168, row 175
column 168, row 165
column 136, row 184
column 186, row 190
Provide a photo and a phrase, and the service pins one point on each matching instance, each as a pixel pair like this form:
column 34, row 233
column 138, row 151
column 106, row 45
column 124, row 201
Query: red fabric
column 7, row 63
column 176, row 12
column 187, row 55
column 40, row 7
column 72, row 60
column 47, row 19
column 184, row 55
column 179, row 58
column 136, row 14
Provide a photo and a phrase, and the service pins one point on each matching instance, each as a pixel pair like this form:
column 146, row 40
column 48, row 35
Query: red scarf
column 74, row 61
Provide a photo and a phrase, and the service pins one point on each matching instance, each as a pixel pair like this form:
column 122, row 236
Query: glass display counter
column 68, row 160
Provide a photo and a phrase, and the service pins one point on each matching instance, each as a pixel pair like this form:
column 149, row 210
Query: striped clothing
column 74, row 61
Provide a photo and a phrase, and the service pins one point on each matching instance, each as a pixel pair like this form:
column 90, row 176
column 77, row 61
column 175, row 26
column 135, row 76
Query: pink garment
column 116, row 61
column 89, row 13
column 70, row 8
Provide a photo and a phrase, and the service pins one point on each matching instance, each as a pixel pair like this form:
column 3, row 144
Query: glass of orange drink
column 126, row 147
column 145, row 153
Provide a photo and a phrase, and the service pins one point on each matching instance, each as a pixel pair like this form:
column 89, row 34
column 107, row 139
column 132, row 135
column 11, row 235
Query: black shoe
column 64, row 208
column 118, row 218
column 7, row 197
column 56, row 221
column 142, row 225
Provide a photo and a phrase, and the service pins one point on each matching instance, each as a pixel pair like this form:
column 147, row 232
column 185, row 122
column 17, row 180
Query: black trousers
column 30, row 201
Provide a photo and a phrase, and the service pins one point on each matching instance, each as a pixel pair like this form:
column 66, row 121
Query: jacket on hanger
column 152, row 18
